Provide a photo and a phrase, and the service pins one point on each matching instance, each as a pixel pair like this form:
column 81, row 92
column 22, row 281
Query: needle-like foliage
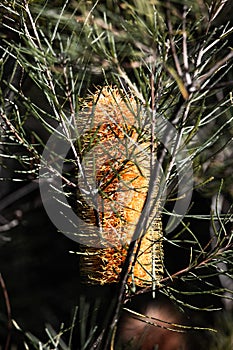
column 174, row 58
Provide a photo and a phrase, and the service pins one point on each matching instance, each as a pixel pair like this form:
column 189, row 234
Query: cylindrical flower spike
column 115, row 156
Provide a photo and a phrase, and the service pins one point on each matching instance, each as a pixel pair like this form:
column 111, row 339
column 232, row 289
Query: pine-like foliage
column 170, row 65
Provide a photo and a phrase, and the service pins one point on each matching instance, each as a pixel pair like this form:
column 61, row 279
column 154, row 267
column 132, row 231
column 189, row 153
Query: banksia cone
column 116, row 156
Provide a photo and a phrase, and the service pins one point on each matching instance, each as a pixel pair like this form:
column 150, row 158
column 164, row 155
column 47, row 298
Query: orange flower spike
column 123, row 185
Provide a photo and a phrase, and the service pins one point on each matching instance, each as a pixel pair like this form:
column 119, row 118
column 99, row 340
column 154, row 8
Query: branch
column 8, row 309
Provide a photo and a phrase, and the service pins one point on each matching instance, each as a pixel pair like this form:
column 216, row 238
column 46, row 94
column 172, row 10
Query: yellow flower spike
column 122, row 174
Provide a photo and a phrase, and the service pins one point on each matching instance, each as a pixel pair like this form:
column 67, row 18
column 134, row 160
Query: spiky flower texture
column 122, row 173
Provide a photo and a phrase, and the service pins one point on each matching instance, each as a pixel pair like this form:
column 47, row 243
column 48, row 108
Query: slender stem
column 8, row 309
column 171, row 36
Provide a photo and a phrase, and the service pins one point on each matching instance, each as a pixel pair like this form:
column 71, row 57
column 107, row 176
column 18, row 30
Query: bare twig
column 18, row 194
column 173, row 48
column 7, row 227
column 8, row 309
column 215, row 8
column 132, row 86
column 214, row 69
column 185, row 50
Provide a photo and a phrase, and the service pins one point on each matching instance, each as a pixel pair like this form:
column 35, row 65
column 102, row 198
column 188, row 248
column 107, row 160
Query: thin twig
column 185, row 50
column 9, row 226
column 152, row 156
column 132, row 86
column 8, row 309
column 18, row 194
column 173, row 48
column 18, row 136
column 214, row 69
column 183, row 272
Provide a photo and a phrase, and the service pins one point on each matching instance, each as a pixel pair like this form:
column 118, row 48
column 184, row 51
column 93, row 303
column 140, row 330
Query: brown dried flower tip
column 120, row 166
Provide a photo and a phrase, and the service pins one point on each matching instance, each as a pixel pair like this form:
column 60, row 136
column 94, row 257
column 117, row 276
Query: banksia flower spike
column 116, row 146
